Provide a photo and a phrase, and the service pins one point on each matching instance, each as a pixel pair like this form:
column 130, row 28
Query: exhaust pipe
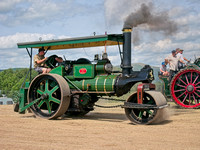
column 129, row 77
column 126, row 63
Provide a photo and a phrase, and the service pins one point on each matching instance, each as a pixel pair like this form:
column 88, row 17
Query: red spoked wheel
column 185, row 88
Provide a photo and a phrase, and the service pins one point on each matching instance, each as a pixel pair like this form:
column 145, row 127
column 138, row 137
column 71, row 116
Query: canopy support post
column 30, row 55
column 31, row 62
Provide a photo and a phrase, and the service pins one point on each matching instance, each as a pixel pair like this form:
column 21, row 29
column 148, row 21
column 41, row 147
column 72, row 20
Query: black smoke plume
column 159, row 21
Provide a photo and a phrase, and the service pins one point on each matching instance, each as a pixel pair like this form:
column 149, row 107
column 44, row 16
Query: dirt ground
column 106, row 129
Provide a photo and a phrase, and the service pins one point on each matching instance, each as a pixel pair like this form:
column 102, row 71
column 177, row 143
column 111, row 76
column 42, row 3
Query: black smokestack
column 126, row 63
column 155, row 22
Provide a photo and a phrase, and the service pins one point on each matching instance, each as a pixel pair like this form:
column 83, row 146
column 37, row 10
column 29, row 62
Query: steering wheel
column 51, row 62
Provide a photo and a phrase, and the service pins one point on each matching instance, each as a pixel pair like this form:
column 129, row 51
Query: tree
column 11, row 80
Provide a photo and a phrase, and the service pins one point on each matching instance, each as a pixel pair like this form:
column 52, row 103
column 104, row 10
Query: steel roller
column 147, row 115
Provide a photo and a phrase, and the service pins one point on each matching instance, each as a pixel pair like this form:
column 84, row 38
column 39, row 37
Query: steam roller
column 74, row 86
column 184, row 88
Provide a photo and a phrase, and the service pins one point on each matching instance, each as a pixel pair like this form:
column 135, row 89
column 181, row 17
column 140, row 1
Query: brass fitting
column 127, row 30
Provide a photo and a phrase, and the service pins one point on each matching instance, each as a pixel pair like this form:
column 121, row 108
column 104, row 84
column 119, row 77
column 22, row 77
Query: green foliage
column 11, row 80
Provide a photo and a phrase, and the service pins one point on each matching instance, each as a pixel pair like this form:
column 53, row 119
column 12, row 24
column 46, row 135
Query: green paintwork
column 100, row 67
column 22, row 109
column 22, row 99
column 50, row 97
column 165, row 89
column 80, row 42
column 141, row 114
column 98, row 84
column 27, row 84
column 58, row 70
column 83, row 71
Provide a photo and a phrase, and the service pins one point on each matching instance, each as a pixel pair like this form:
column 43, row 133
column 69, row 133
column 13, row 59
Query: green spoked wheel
column 146, row 115
column 50, row 94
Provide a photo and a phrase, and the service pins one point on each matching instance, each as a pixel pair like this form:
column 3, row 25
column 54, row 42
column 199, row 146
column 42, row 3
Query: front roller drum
column 50, row 94
column 151, row 111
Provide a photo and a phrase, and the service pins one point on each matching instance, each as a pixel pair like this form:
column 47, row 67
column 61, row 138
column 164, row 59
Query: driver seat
column 83, row 61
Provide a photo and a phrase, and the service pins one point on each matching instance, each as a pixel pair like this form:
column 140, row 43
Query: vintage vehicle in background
column 73, row 87
column 184, row 88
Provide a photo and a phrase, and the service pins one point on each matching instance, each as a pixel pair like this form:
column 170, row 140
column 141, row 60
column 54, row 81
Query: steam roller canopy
column 151, row 115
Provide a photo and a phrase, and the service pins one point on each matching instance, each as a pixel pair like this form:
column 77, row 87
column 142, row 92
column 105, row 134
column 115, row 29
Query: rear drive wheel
column 51, row 94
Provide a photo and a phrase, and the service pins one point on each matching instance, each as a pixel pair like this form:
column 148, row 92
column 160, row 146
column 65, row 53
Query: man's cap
column 163, row 63
column 41, row 49
column 173, row 51
column 178, row 49
column 181, row 50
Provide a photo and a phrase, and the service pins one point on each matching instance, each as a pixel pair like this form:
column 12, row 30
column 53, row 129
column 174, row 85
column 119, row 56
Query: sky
column 30, row 20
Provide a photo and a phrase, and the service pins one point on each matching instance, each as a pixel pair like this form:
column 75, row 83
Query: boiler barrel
column 100, row 84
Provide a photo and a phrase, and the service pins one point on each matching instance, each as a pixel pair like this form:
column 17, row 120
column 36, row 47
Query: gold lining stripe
column 96, row 84
column 104, row 86
column 113, row 83
column 83, row 84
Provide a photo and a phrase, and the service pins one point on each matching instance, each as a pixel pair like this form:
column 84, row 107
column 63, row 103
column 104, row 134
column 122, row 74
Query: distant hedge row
column 12, row 79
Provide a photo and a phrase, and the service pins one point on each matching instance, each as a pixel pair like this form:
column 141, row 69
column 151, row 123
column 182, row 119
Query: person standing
column 173, row 64
column 39, row 62
column 181, row 64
